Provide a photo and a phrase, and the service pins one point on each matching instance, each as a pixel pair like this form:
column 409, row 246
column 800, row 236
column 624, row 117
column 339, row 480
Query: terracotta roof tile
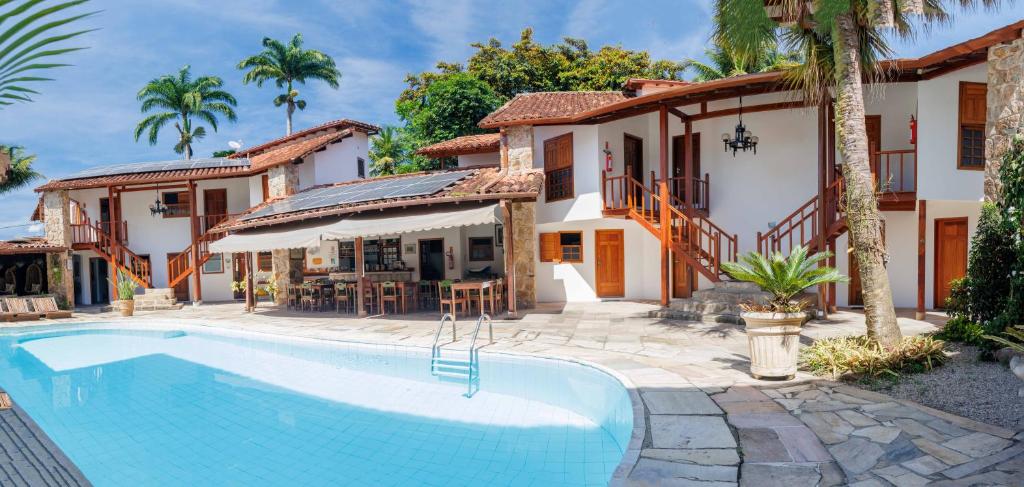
column 488, row 183
column 28, row 245
column 145, row 177
column 468, row 144
column 334, row 125
column 289, row 152
column 549, row 106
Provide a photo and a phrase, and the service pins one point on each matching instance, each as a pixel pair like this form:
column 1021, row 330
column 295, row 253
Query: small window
column 361, row 167
column 561, row 247
column 214, row 265
column 177, row 204
column 481, row 249
column 264, row 262
column 971, row 139
column 347, row 256
column 558, row 168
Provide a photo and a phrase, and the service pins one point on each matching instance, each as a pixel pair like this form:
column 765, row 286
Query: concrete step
column 719, row 304
column 161, row 291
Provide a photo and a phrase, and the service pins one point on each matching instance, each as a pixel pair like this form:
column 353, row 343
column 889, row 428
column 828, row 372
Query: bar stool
column 499, row 294
column 426, row 294
column 370, row 296
column 388, row 293
column 342, row 298
column 292, row 297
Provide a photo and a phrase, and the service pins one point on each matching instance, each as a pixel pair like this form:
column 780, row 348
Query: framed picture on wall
column 410, row 248
column 499, row 235
column 215, row 265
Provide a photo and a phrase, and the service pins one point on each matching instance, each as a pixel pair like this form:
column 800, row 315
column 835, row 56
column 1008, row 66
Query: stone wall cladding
column 524, row 232
column 1005, row 108
column 281, row 274
column 57, row 225
column 520, row 147
column 282, row 180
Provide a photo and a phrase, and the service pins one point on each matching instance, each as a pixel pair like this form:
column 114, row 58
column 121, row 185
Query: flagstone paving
column 705, row 421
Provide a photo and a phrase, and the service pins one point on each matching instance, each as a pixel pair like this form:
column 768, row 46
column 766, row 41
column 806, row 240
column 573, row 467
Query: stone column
column 1005, row 108
column 518, row 142
column 57, row 224
column 283, row 181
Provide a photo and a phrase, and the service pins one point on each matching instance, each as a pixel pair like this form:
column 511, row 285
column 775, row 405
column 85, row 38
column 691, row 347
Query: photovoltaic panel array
column 369, row 190
column 161, row 166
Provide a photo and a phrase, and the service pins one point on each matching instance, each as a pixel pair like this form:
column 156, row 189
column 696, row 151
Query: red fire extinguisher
column 607, row 158
column 913, row 130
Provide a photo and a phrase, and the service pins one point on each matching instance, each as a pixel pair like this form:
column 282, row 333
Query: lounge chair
column 19, row 306
column 48, row 306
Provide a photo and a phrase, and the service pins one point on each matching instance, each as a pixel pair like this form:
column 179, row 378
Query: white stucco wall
column 474, row 160
column 937, row 122
column 587, row 177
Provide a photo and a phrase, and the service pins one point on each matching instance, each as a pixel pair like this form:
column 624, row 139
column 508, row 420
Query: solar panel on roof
column 159, row 166
column 361, row 192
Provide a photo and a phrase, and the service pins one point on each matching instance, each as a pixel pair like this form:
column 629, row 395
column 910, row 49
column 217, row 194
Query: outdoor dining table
column 479, row 287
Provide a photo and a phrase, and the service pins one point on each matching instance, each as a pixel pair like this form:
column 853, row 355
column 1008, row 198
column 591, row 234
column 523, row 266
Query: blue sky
column 87, row 116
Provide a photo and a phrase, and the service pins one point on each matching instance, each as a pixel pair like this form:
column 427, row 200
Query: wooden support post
column 193, row 218
column 832, row 285
column 360, row 274
column 250, row 294
column 510, row 258
column 112, row 225
column 922, row 251
column 666, row 221
column 689, row 193
column 823, row 217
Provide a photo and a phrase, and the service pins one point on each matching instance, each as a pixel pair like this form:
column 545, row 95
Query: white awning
column 374, row 225
column 293, row 236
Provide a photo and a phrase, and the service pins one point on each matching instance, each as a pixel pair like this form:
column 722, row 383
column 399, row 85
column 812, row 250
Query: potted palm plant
column 773, row 328
column 125, row 294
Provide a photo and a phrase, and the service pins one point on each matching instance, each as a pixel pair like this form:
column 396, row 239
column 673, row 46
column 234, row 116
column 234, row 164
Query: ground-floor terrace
column 700, row 419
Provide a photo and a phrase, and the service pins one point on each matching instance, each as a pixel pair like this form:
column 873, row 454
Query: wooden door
column 99, row 281
column 431, row 259
column 215, row 207
column 684, row 280
column 873, row 124
column 950, row 255
column 633, row 156
column 180, row 289
column 679, row 164
column 610, row 269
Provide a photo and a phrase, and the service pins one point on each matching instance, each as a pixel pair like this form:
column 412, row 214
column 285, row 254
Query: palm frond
column 784, row 277
column 20, row 173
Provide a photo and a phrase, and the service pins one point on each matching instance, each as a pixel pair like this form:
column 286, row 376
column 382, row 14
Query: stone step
column 711, row 318
column 159, row 291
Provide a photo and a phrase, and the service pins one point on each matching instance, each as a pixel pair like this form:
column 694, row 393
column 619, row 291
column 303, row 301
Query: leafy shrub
column 1014, row 338
column 962, row 330
column 983, row 294
column 860, row 356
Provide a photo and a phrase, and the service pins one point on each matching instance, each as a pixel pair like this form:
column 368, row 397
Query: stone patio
column 702, row 420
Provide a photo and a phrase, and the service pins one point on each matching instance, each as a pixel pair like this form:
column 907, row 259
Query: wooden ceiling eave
column 688, row 99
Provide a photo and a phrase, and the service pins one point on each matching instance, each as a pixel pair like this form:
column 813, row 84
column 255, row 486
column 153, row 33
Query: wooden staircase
column 696, row 238
column 180, row 267
column 87, row 235
column 802, row 226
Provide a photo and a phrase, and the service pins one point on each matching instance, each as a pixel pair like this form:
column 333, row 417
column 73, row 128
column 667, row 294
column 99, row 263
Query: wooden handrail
column 180, row 266
column 701, row 191
column 801, row 226
column 895, row 171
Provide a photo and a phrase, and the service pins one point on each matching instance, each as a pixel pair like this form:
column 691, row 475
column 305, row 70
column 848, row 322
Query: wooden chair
column 370, row 296
column 343, row 299
column 447, row 296
column 294, row 301
column 407, row 292
column 426, row 295
column 310, row 297
column 499, row 294
column 388, row 293
column 48, row 306
column 19, row 307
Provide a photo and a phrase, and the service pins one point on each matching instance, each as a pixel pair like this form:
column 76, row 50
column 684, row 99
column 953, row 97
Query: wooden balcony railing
column 895, row 171
column 701, row 199
column 801, row 227
column 88, row 232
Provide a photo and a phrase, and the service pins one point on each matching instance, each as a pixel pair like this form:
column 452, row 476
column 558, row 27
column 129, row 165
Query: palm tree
column 841, row 43
column 287, row 65
column 386, row 154
column 19, row 173
column 22, row 54
column 724, row 63
column 184, row 99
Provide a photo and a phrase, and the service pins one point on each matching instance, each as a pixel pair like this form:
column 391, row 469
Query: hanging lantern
column 157, row 208
column 743, row 139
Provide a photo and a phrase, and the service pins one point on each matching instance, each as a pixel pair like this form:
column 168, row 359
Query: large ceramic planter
column 127, row 307
column 774, row 340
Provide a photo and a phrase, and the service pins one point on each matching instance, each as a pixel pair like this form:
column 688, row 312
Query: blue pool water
column 186, row 407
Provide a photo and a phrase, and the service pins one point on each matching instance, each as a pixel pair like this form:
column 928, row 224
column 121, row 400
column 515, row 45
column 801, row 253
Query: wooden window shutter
column 558, row 152
column 973, row 103
column 550, row 247
column 265, row 181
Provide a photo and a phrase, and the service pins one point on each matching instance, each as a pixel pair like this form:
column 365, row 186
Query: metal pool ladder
column 459, row 368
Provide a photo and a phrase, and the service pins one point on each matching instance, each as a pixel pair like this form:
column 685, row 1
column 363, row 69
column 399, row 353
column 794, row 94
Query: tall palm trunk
column 864, row 219
column 290, row 110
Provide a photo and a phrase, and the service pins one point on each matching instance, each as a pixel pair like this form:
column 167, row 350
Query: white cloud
column 587, row 19
column 448, row 24
column 368, row 89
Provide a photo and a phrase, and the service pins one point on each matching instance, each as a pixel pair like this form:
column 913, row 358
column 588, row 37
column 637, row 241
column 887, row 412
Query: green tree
column 19, row 173
column 450, row 107
column 24, row 53
column 387, row 155
column 184, row 99
column 723, row 63
column 287, row 65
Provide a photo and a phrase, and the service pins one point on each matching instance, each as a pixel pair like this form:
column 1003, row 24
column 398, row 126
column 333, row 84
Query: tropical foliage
column 124, row 286
column 841, row 43
column 31, row 45
column 863, row 357
column 287, row 65
column 784, row 277
column 387, row 155
column 449, row 108
column 723, row 63
column 183, row 100
column 20, row 171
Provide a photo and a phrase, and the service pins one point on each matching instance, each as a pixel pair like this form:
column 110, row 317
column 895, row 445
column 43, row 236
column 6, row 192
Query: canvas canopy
column 309, row 235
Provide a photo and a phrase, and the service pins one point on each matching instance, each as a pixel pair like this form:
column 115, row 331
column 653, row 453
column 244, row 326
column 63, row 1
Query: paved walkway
column 701, row 419
column 28, row 458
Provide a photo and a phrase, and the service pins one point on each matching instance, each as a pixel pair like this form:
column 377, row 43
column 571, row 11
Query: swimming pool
column 189, row 406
